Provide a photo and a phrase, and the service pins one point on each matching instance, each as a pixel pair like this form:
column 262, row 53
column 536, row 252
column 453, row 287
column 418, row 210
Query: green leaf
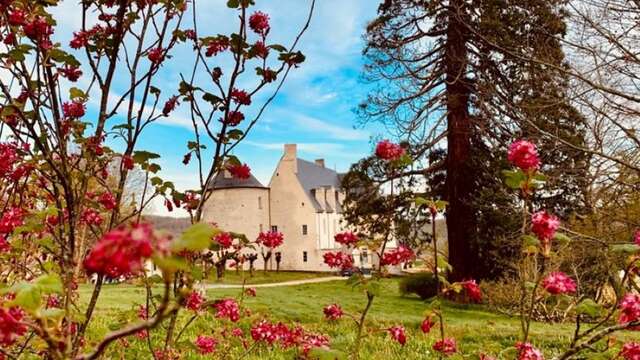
column 53, row 313
column 514, row 178
column 233, row 4
column 589, row 307
column 233, row 160
column 327, row 354
column 29, row 297
column 196, row 238
column 154, row 90
column 75, row 93
column 419, row 201
column 212, row 99
column 625, row 248
column 562, row 238
column 171, row 264
column 235, row 134
column 49, row 283
column 529, row 240
column 141, row 157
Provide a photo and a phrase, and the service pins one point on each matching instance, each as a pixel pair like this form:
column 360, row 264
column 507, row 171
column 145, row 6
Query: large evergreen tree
column 453, row 76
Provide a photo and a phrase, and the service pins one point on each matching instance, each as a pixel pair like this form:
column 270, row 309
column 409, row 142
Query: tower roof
column 225, row 181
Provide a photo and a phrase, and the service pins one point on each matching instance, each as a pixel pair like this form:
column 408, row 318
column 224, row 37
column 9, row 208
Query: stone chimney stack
column 290, row 151
column 320, row 162
column 290, row 157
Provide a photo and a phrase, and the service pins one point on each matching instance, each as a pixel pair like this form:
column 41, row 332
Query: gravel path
column 284, row 283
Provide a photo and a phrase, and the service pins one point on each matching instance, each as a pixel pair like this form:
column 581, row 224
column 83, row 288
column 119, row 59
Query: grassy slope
column 260, row 277
column 474, row 328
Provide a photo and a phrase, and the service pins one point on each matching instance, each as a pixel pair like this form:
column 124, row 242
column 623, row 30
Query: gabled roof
column 220, row 181
column 312, row 176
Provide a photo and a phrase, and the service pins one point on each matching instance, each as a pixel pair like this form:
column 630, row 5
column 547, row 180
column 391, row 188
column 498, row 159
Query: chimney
column 290, row 151
column 320, row 162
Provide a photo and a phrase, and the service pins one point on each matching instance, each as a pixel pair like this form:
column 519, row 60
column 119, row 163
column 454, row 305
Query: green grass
column 260, row 277
column 475, row 329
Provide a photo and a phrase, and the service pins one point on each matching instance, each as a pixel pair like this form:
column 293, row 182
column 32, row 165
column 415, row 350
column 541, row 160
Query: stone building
column 303, row 201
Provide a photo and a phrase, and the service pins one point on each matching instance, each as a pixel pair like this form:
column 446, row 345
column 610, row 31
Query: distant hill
column 171, row 225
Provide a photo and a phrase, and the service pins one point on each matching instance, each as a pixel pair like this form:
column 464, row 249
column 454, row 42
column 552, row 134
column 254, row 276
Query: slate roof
column 312, row 176
column 222, row 182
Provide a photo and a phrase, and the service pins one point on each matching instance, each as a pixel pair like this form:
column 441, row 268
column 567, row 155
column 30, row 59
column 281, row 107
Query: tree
column 446, row 83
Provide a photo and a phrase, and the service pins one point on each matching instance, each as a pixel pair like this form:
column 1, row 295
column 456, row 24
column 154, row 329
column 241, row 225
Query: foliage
column 422, row 284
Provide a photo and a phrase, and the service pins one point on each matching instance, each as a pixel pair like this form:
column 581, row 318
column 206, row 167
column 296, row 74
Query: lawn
column 475, row 328
column 261, row 277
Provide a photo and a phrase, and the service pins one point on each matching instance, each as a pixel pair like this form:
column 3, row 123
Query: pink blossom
column 194, row 301
column 121, row 252
column 156, row 55
column 239, row 171
column 206, row 344
column 227, row 308
column 559, row 283
column 544, row 225
column 11, row 325
column 636, row 237
column 217, row 46
column 72, row 73
column 397, row 256
column 629, row 308
column 73, row 109
column 271, row 239
column 526, row 351
column 387, row 150
column 234, row 118
column 446, row 347
column 250, row 292
column 107, row 200
column 524, row 155
column 224, row 239
column 11, row 219
column 260, row 49
column 347, row 238
column 398, row 334
column 259, row 23
column 333, row 312
column 631, row 351
column 170, row 105
column 473, row 290
column 338, row 260
column 240, row 97
column 427, row 324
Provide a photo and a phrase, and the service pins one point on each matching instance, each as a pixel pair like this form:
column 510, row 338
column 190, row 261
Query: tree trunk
column 459, row 180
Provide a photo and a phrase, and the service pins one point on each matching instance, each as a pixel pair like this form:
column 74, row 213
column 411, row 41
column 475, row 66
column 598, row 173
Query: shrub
column 422, row 284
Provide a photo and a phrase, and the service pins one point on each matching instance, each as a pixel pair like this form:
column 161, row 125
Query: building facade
column 303, row 201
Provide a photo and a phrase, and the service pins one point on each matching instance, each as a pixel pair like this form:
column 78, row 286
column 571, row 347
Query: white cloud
column 332, row 131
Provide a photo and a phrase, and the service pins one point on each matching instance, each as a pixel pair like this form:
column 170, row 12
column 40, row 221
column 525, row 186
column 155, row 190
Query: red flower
column 142, row 334
column 227, row 308
column 473, row 290
column 347, row 238
column 636, row 237
column 16, row 18
column 206, row 344
column 387, row 150
column 524, row 155
column 224, row 239
column 217, row 46
column 259, row 22
column 72, row 73
column 526, row 351
column 234, row 118
column 121, row 252
column 143, row 312
column 11, row 325
column 446, row 347
column 269, row 75
column 239, row 171
column 194, row 301
column 91, row 217
column 544, row 225
column 559, row 283
column 397, row 256
column 333, row 312
column 107, row 200
column 156, row 55
column 260, row 49
column 170, row 105
column 271, row 239
column 73, row 109
column 4, row 244
column 427, row 324
column 8, row 159
column 240, row 97
column 127, row 162
column 250, row 292
column 629, row 309
column 53, row 301
column 11, row 219
column 80, row 40
column 264, row 331
column 631, row 351
column 338, row 260
column 397, row 333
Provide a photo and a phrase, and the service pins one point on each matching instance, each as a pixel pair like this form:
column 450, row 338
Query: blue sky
column 314, row 109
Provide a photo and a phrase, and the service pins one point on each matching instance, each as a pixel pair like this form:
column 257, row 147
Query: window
column 364, row 257
column 274, row 228
column 260, row 202
column 304, row 229
column 304, row 256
